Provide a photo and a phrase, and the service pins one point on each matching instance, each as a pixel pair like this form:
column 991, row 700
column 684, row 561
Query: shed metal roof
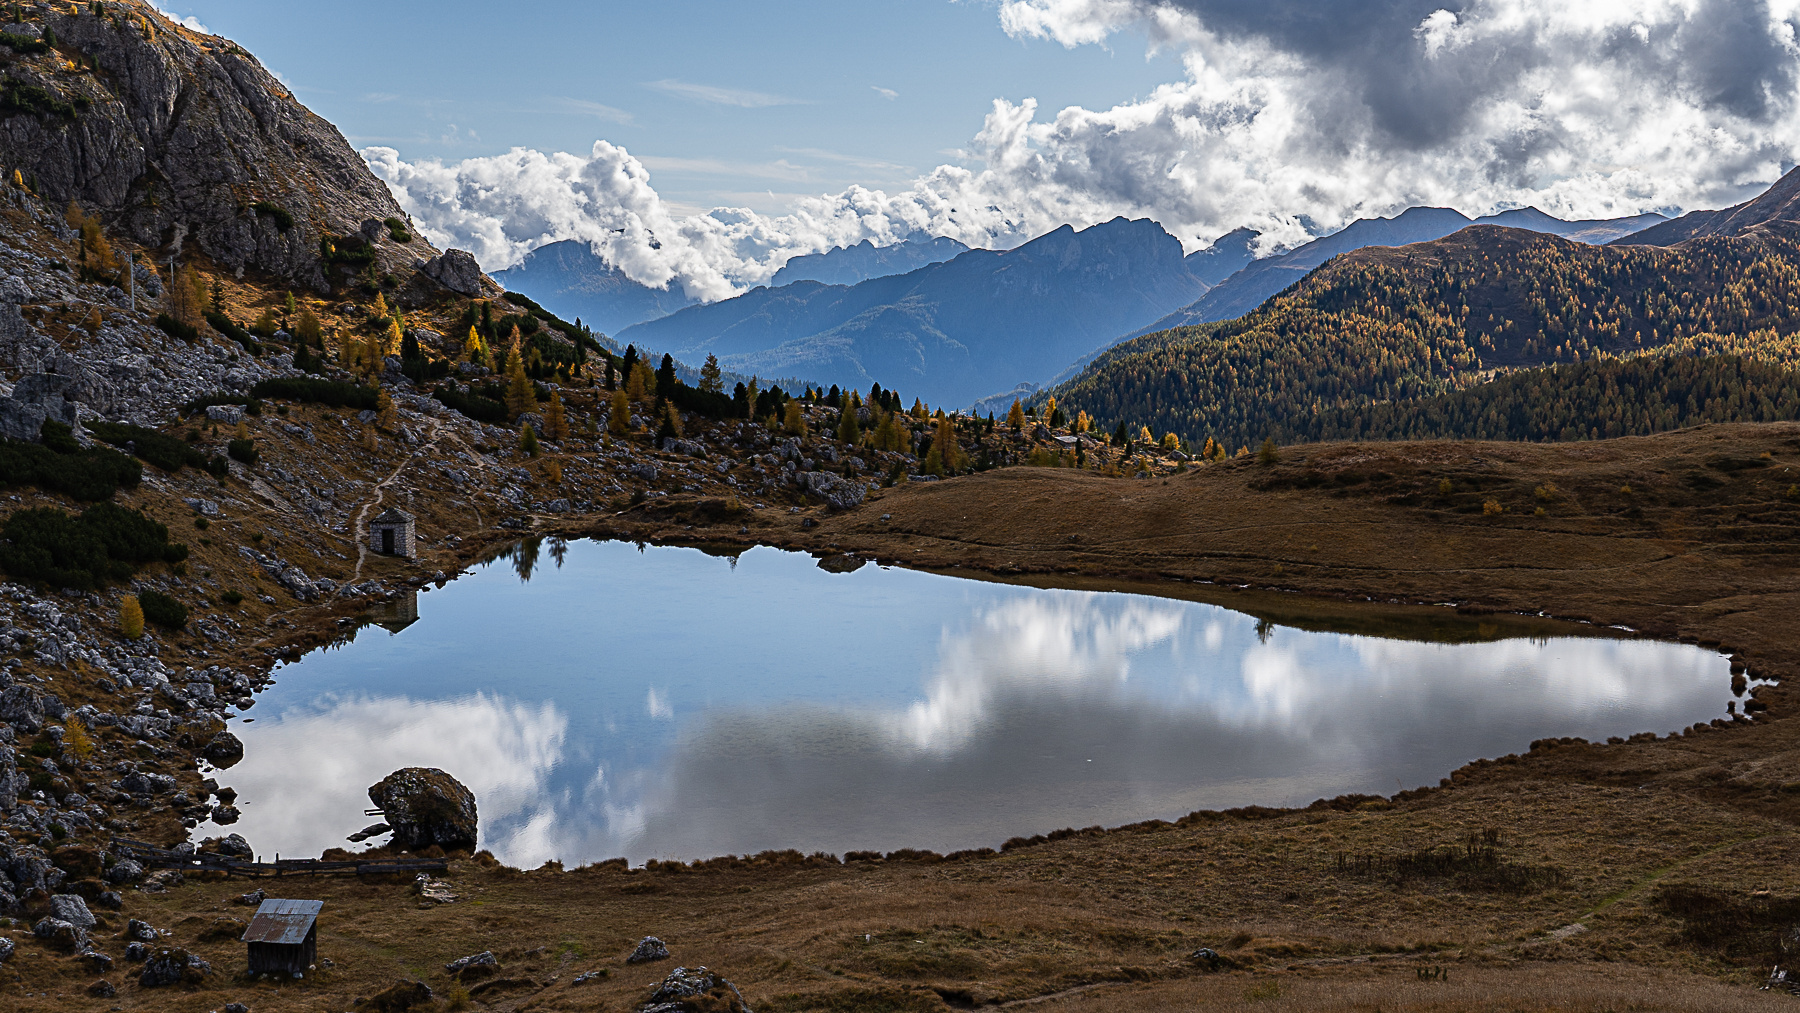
column 283, row 921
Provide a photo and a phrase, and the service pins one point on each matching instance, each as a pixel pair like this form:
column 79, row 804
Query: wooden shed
column 284, row 937
column 392, row 533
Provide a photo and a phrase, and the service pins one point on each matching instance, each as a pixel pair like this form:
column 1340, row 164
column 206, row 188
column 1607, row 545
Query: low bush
column 231, row 329
column 18, row 97
column 243, row 451
column 283, row 220
column 480, row 409
column 349, row 250
column 24, row 45
column 164, row 451
column 175, row 328
column 232, row 597
column 105, row 542
column 60, row 465
column 397, row 231
column 163, row 610
column 331, row 393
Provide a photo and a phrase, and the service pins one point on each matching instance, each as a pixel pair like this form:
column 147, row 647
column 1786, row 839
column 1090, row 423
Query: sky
column 701, row 143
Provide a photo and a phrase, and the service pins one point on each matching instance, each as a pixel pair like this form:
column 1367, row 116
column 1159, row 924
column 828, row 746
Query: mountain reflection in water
column 594, row 714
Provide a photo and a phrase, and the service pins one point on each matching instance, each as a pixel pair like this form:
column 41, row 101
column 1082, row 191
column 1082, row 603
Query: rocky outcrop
column 648, row 948
column 695, row 990
column 180, row 136
column 173, row 966
column 457, row 271
column 427, row 807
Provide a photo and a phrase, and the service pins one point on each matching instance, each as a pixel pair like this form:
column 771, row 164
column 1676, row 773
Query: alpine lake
column 604, row 699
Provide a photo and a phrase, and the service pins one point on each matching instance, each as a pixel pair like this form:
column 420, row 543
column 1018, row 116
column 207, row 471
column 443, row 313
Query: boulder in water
column 427, row 807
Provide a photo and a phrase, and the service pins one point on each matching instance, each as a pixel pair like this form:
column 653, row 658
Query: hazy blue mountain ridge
column 848, row 265
column 950, row 332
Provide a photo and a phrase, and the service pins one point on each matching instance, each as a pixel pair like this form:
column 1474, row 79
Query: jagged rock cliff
column 172, row 136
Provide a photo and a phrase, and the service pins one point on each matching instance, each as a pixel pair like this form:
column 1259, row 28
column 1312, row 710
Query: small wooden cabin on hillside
column 284, row 937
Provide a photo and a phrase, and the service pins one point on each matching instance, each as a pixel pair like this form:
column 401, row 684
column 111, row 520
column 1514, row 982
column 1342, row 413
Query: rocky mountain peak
column 175, row 137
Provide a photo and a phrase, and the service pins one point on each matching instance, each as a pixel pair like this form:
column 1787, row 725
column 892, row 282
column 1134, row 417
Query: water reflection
column 659, row 705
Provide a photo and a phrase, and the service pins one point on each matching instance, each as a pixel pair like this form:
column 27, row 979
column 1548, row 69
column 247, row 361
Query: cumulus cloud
column 1293, row 118
column 186, row 21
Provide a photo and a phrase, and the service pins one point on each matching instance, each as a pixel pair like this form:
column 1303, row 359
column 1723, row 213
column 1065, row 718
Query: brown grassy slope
column 1687, row 534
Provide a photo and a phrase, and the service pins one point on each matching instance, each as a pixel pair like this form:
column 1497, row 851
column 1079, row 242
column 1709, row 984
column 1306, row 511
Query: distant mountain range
column 954, row 331
column 1412, row 327
column 570, row 280
column 1246, row 290
column 848, row 265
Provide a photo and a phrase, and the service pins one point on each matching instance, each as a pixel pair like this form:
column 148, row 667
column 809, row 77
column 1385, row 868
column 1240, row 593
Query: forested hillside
column 1599, row 399
column 1388, row 324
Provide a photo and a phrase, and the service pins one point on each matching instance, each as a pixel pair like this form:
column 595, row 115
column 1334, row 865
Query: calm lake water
column 666, row 703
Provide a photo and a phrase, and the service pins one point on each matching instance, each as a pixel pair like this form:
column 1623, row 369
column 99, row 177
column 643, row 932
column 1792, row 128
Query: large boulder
column 456, row 270
column 223, row 750
column 695, row 990
column 173, row 966
column 427, row 807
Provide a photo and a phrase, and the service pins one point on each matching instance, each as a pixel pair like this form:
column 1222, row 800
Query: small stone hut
column 392, row 533
column 284, row 936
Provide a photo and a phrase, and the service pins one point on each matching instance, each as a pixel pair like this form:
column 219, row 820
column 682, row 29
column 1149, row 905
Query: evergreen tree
column 520, row 396
column 847, row 429
column 528, row 441
column 556, row 422
column 131, row 617
column 918, row 410
column 1267, row 454
column 618, row 414
column 384, row 409
column 630, row 361
column 709, row 376
column 307, row 331
column 665, row 377
column 1122, row 435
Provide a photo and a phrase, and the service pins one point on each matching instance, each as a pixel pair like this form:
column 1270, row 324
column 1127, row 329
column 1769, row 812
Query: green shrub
column 60, row 465
column 164, row 451
column 105, row 542
column 24, row 45
column 243, row 450
column 163, row 610
column 351, row 250
column 283, row 220
column 397, row 231
column 232, row 597
column 230, row 328
column 480, row 409
column 175, row 328
column 326, row 392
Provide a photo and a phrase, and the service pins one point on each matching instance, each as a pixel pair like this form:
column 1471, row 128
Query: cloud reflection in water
column 1044, row 709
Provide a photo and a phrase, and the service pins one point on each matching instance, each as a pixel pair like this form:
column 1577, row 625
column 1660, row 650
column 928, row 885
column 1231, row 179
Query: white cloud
column 886, row 93
column 188, row 21
column 739, row 98
column 598, row 111
column 1293, row 118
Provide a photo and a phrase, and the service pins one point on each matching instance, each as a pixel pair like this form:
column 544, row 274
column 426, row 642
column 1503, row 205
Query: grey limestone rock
column 195, row 140
column 426, row 807
column 648, row 949
column 457, row 271
column 173, row 966
column 693, row 989
column 72, row 909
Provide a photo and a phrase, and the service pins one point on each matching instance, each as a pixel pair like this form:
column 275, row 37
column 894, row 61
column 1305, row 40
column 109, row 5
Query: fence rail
column 154, row 857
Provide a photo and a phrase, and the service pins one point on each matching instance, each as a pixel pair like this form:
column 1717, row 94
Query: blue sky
column 706, row 143
column 724, row 102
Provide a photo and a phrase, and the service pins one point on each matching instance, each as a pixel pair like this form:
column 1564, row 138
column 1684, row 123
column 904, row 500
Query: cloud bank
column 1294, row 118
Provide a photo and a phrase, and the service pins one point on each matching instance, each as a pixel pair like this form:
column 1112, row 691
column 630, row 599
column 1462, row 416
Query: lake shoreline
column 1667, row 575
